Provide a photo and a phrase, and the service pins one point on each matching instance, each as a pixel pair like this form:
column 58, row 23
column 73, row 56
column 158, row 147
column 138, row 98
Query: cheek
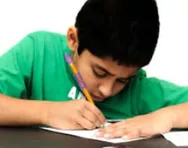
column 90, row 80
column 117, row 88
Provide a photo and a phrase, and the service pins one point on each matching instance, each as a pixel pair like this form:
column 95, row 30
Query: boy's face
column 103, row 77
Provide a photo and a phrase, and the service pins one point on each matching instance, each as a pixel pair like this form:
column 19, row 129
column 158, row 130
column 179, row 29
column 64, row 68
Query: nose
column 106, row 89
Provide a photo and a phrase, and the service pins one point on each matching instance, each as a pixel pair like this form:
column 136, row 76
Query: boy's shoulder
column 141, row 73
column 43, row 34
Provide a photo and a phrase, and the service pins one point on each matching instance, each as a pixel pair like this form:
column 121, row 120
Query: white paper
column 88, row 134
column 177, row 138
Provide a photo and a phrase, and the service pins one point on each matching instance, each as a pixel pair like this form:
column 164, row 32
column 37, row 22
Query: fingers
column 121, row 129
column 86, row 124
column 118, row 125
column 125, row 133
column 110, row 133
column 76, row 114
column 68, row 125
column 114, row 127
column 98, row 116
column 92, row 113
column 87, row 114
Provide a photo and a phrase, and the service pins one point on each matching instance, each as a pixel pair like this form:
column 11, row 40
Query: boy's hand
column 78, row 114
column 141, row 126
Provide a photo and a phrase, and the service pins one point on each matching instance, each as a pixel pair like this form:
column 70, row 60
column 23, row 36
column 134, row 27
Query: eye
column 99, row 73
column 123, row 81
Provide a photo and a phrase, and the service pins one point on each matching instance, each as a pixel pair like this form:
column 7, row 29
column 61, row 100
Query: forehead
column 110, row 65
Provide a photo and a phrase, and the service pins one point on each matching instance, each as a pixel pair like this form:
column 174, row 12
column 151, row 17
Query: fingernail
column 125, row 137
column 101, row 126
column 107, row 135
column 98, row 134
column 97, row 125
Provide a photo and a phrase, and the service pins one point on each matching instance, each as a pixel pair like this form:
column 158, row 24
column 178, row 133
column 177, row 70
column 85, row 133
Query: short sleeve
column 152, row 94
column 16, row 69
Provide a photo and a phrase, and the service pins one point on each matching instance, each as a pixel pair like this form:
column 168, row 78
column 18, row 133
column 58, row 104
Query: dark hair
column 126, row 30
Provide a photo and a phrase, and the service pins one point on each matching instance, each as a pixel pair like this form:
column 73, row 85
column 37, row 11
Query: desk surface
column 37, row 138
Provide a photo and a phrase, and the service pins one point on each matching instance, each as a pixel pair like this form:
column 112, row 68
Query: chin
column 98, row 99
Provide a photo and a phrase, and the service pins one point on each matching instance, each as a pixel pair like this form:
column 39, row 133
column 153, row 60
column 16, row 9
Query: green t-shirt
column 36, row 69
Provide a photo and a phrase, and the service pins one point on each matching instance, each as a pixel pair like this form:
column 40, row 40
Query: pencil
column 78, row 78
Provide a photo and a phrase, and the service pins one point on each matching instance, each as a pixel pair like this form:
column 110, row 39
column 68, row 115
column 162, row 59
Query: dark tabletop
column 21, row 137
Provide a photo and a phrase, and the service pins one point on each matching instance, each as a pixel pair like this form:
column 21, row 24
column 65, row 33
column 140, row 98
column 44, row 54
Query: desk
column 21, row 137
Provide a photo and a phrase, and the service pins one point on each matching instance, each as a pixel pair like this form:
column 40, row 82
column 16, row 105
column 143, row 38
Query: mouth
column 97, row 98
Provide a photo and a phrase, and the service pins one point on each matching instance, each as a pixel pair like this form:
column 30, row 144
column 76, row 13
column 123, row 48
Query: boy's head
column 119, row 33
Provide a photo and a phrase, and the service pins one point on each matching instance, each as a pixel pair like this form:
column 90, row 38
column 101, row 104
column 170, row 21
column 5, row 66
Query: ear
column 72, row 38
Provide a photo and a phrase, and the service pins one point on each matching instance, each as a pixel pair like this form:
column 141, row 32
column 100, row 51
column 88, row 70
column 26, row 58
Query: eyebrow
column 103, row 69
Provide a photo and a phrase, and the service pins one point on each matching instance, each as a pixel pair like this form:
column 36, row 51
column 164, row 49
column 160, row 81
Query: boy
column 109, row 44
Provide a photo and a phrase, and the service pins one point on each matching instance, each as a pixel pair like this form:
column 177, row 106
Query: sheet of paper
column 88, row 134
column 177, row 138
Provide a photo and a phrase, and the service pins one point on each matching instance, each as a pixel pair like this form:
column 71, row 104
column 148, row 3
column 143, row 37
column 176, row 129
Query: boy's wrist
column 43, row 118
column 167, row 114
column 171, row 115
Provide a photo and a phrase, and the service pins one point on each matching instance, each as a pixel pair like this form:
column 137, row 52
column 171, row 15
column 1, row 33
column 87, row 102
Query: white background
column 20, row 17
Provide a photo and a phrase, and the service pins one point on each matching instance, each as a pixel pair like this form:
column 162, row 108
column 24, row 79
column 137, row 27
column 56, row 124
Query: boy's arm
column 161, row 107
column 15, row 79
column 15, row 88
column 21, row 112
column 163, row 97
column 179, row 112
